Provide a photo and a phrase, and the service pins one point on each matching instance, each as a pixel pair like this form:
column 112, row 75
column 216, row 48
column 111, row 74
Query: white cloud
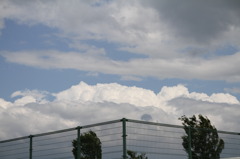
column 84, row 104
column 168, row 93
column 223, row 98
column 184, row 68
column 29, row 96
column 180, row 91
column 4, row 104
column 109, row 93
column 25, row 100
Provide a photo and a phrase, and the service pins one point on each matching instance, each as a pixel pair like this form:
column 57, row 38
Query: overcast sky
column 69, row 63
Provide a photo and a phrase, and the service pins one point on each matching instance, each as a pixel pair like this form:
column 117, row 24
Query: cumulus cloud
column 30, row 96
column 169, row 93
column 85, row 104
column 4, row 104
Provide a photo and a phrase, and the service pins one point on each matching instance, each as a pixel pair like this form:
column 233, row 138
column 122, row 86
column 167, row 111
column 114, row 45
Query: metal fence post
column 124, row 135
column 189, row 143
column 30, row 147
column 78, row 143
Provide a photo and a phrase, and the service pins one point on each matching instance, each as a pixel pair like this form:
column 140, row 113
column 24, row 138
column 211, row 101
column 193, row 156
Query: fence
column 155, row 140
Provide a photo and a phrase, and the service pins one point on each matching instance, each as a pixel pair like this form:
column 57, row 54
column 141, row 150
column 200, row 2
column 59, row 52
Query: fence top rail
column 153, row 123
column 102, row 123
column 177, row 126
column 106, row 123
column 14, row 139
column 228, row 132
column 78, row 127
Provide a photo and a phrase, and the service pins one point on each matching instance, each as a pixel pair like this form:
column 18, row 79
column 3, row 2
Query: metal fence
column 155, row 140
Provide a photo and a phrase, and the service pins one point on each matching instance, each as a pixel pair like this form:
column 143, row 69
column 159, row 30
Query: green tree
column 133, row 155
column 90, row 146
column 205, row 142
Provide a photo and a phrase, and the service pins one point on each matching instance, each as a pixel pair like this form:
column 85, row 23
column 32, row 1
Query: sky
column 77, row 62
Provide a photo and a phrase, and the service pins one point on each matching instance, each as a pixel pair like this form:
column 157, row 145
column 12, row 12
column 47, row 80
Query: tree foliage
column 134, row 155
column 205, row 142
column 90, row 146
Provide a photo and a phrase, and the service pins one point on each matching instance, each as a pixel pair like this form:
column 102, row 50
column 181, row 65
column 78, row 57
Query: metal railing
column 155, row 140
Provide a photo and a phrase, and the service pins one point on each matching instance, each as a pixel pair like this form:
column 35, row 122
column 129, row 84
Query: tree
column 90, row 146
column 133, row 155
column 201, row 140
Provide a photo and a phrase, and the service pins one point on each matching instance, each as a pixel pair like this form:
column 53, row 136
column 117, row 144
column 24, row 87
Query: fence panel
column 155, row 140
column 15, row 149
column 53, row 146
column 110, row 136
column 117, row 137
column 231, row 146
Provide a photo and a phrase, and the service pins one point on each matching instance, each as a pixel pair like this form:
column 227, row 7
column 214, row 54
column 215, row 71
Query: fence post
column 30, row 147
column 189, row 143
column 78, row 143
column 124, row 135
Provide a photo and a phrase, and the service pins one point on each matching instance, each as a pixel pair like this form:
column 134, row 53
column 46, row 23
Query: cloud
column 29, row 96
column 201, row 21
column 156, row 29
column 178, row 39
column 223, row 115
column 109, row 93
column 85, row 104
column 4, row 104
column 183, row 68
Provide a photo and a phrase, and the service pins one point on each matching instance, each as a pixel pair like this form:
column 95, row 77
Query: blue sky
column 21, row 37
column 52, row 46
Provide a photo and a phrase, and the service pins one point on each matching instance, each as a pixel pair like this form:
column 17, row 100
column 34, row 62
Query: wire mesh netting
column 15, row 149
column 152, row 140
column 155, row 141
column 231, row 146
column 53, row 145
